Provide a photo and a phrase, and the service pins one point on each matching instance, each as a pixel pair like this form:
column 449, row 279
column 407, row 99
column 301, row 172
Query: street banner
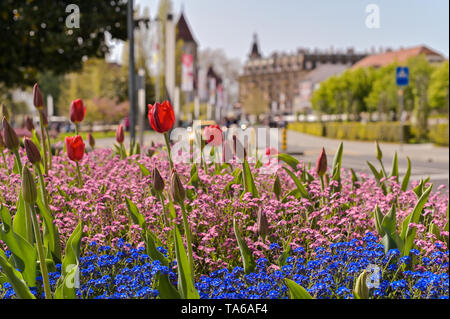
column 212, row 90
column 187, row 72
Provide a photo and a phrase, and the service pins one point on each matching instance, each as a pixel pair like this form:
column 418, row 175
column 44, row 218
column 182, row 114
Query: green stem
column 166, row 138
column 166, row 222
column 44, row 144
column 43, row 265
column 187, row 231
column 18, row 161
column 44, row 194
column 80, row 180
column 76, row 128
column 4, row 162
column 382, row 167
column 49, row 149
column 322, row 183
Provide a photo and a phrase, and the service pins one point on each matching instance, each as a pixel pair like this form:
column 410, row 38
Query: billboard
column 187, row 73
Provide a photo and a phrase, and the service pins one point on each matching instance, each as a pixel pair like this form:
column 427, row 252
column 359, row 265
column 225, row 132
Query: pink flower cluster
column 322, row 219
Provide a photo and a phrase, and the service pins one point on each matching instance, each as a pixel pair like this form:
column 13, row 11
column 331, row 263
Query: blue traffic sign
column 402, row 76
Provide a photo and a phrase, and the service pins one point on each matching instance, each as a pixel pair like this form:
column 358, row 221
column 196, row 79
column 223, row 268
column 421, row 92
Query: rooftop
column 383, row 59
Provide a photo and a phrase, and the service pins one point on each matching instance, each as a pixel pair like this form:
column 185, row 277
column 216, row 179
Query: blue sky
column 285, row 25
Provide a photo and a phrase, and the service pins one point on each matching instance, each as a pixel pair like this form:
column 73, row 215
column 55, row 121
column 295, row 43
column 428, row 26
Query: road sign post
column 402, row 80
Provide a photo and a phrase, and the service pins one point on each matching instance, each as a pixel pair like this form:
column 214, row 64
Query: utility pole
column 131, row 74
column 141, row 102
column 402, row 124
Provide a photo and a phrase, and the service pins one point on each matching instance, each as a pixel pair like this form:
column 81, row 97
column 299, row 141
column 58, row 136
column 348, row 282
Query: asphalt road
column 427, row 159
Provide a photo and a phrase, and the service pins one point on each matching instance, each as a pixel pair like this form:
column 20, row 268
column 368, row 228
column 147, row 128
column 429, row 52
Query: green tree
column 438, row 90
column 35, row 37
column 420, row 70
column 50, row 84
column 98, row 79
column 319, row 101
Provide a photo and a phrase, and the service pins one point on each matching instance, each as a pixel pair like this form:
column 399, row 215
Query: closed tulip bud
column 9, row 136
column 157, row 180
column 177, row 188
column 29, row 123
column 33, row 154
column 378, row 151
column 277, row 187
column 38, row 100
column 91, row 140
column 361, row 290
column 120, row 135
column 4, row 111
column 29, row 192
column 262, row 224
column 321, row 165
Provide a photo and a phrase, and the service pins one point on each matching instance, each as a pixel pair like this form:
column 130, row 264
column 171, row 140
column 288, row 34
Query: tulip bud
column 91, row 140
column 33, row 154
column 262, row 224
column 157, row 180
column 9, row 135
column 177, row 188
column 321, row 165
column 120, row 135
column 4, row 111
column 361, row 290
column 378, row 151
column 277, row 187
column 29, row 192
column 38, row 100
column 29, row 123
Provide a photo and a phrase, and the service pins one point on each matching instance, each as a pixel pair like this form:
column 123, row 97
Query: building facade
column 279, row 76
column 189, row 58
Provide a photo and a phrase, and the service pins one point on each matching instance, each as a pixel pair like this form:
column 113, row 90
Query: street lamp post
column 131, row 74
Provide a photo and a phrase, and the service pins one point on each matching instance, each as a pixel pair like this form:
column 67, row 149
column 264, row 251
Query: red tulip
column 213, row 135
column 321, row 165
column 120, row 135
column 75, row 147
column 161, row 116
column 271, row 151
column 38, row 100
column 77, row 111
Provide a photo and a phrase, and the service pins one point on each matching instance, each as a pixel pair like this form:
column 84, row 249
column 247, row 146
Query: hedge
column 381, row 131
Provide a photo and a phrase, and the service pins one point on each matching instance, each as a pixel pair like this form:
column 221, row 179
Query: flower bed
column 327, row 268
column 122, row 224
